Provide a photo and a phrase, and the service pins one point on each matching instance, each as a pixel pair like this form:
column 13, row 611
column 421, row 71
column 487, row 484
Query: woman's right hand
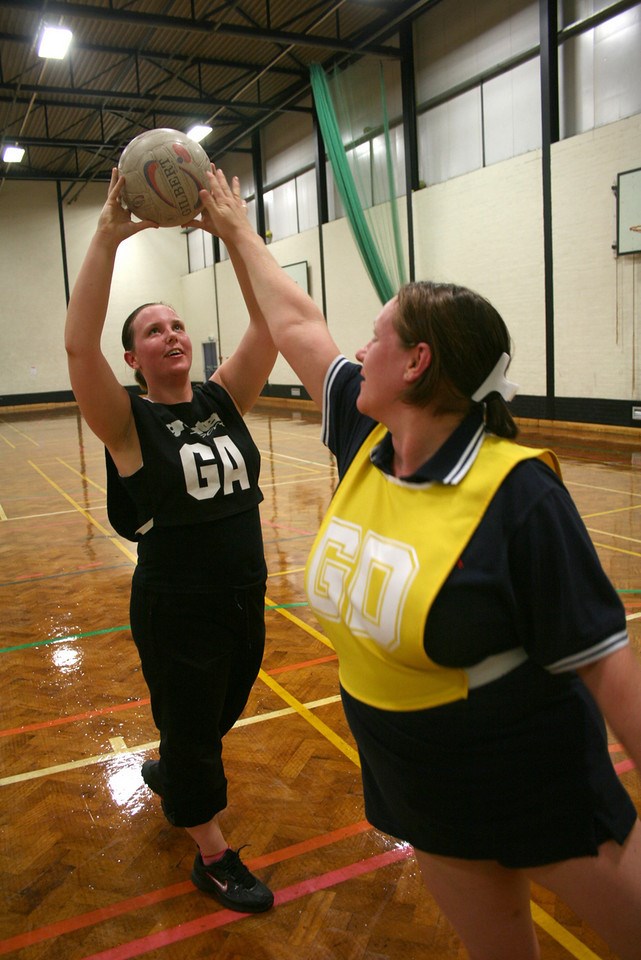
column 115, row 220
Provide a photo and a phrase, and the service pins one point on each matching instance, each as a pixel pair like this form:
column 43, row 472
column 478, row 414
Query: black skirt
column 519, row 772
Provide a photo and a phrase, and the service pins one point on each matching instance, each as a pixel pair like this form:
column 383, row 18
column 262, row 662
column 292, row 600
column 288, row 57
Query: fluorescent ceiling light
column 13, row 154
column 54, row 42
column 199, row 132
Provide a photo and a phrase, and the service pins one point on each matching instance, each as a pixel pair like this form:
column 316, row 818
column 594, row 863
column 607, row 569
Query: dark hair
column 127, row 336
column 466, row 336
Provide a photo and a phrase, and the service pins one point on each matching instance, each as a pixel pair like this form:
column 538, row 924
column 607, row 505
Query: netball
column 164, row 169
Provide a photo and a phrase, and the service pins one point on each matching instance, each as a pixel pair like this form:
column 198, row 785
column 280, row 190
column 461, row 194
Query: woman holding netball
column 183, row 482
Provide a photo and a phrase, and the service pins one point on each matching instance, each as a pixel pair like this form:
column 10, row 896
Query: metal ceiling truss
column 138, row 64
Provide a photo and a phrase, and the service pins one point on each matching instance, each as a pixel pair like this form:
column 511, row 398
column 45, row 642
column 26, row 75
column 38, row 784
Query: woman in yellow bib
column 479, row 639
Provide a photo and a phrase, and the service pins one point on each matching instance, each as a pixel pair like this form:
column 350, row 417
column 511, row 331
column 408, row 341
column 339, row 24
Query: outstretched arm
column 243, row 375
column 103, row 401
column 297, row 326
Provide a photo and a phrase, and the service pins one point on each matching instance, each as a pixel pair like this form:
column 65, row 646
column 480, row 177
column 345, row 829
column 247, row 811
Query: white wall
column 148, row 267
column 32, row 296
column 597, row 295
column 483, row 229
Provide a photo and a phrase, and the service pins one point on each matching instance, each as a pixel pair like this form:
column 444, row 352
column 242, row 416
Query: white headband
column 496, row 382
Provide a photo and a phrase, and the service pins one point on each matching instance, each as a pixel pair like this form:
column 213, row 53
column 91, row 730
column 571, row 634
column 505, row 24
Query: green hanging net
column 353, row 117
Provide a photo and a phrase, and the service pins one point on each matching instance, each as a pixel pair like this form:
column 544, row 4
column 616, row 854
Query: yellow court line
column 607, row 546
column 307, row 715
column 285, row 573
column 593, row 486
column 21, row 434
column 299, row 623
column 609, row 513
column 83, row 476
column 85, row 513
column 561, row 935
column 151, row 745
column 3, row 515
column 285, row 483
column 50, row 513
column 8, row 442
column 616, row 536
column 295, row 461
column 314, row 463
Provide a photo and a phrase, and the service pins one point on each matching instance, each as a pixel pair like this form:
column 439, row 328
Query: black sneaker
column 150, row 771
column 230, row 882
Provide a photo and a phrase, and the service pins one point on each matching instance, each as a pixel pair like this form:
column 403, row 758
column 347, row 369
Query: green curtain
column 352, row 113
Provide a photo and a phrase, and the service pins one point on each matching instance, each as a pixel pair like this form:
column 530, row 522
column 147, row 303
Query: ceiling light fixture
column 13, row 154
column 54, row 42
column 199, row 132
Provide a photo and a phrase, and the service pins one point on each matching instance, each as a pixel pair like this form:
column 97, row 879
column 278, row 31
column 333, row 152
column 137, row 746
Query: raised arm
column 245, row 372
column 297, row 326
column 103, row 401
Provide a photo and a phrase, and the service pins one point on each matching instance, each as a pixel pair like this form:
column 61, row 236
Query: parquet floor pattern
column 90, row 869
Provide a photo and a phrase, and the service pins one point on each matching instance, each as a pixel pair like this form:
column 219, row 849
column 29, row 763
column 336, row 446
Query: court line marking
column 608, row 513
column 20, row 433
column 140, row 702
column 617, row 536
column 110, row 536
column 75, row 718
column 92, row 917
column 311, row 718
column 295, row 706
column 594, row 486
column 299, row 623
column 3, row 515
column 49, row 513
column 562, row 936
column 296, row 891
column 612, row 549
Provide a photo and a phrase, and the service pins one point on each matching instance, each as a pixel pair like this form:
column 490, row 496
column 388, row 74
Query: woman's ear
column 130, row 360
column 419, row 362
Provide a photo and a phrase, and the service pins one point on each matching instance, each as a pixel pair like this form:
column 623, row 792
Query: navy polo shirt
column 529, row 577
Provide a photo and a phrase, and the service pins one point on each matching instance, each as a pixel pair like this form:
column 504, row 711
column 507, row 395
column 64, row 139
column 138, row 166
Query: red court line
column 184, row 931
column 59, row 721
column 301, row 665
column 144, row 701
column 624, row 766
column 84, row 920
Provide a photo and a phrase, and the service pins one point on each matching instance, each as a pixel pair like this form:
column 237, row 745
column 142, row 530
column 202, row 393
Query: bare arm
column 103, row 401
column 297, row 326
column 615, row 684
column 244, row 374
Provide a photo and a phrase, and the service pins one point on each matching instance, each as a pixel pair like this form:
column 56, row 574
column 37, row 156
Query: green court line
column 97, row 633
column 72, row 636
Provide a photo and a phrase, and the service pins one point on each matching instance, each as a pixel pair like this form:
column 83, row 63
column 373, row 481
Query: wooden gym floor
column 90, row 868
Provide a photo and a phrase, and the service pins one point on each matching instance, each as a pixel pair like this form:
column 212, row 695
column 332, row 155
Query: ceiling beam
column 43, row 91
column 161, row 56
column 192, row 25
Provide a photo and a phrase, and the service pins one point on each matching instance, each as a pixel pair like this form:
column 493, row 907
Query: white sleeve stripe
column 332, row 370
column 602, row 649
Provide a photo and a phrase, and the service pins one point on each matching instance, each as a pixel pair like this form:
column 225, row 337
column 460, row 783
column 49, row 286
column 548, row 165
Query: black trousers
column 200, row 655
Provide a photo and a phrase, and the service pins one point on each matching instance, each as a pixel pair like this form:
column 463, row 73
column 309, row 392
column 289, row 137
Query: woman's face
column 162, row 348
column 384, row 362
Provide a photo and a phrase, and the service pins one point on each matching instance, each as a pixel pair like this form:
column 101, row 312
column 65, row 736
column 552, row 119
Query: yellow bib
column 383, row 552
